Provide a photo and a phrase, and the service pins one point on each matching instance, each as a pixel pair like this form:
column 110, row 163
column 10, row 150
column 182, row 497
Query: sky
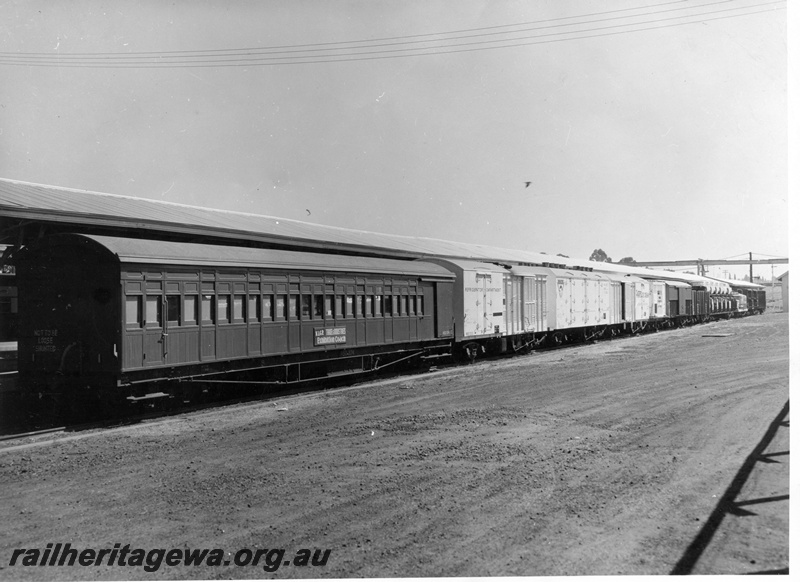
column 653, row 129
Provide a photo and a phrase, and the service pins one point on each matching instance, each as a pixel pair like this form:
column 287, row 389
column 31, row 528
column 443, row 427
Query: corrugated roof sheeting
column 743, row 284
column 64, row 204
column 78, row 204
column 40, row 202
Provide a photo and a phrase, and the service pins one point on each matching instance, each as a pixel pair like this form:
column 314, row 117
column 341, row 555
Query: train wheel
column 471, row 352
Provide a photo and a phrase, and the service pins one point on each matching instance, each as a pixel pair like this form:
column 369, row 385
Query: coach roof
column 153, row 252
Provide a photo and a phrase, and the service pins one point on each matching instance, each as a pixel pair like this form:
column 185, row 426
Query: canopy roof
column 136, row 217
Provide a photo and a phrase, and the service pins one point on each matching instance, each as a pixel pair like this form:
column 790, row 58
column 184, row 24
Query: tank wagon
column 112, row 319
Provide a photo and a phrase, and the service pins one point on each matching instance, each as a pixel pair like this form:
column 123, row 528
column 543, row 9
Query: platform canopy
column 26, row 208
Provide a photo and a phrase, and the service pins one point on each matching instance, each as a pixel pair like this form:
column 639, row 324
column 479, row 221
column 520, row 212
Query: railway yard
column 654, row 454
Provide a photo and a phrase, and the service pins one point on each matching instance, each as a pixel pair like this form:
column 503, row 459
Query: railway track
column 240, row 392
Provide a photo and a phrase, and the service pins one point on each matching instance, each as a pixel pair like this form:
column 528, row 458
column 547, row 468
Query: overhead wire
column 744, row 255
column 63, row 60
column 268, row 55
column 250, row 50
column 371, row 40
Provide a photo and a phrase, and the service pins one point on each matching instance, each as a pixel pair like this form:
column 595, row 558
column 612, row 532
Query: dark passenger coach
column 119, row 316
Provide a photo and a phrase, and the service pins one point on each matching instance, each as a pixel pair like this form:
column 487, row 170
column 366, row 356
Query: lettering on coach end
column 45, row 340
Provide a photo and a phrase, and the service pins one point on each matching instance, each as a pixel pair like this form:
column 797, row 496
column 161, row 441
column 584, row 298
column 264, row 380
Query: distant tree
column 627, row 261
column 600, row 256
column 560, row 255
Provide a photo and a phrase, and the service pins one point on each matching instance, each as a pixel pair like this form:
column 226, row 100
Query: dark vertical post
column 751, row 267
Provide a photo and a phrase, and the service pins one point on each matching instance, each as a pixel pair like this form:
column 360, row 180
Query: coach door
column 155, row 332
column 182, row 332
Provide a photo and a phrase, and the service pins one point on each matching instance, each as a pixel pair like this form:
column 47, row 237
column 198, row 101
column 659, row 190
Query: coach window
column 420, row 310
column 338, row 306
column 348, row 307
column 173, row 310
column 238, row 308
column 412, row 304
column 153, row 311
column 207, row 309
column 305, row 303
column 329, row 306
column 266, row 308
column 223, row 309
column 358, row 299
column 317, row 306
column 367, row 305
column 253, row 306
column 133, row 311
column 403, row 301
column 280, row 307
column 190, row 310
column 387, row 305
column 294, row 307
column 377, row 305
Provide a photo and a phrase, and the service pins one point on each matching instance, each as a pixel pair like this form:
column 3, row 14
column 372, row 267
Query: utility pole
column 751, row 268
column 701, row 268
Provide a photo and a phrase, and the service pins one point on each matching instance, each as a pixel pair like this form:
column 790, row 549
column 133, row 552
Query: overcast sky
column 648, row 128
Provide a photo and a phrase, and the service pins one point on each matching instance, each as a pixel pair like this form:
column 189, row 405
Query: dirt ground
column 635, row 456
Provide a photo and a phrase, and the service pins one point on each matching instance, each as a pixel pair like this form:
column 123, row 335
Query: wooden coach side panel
column 113, row 310
column 180, row 317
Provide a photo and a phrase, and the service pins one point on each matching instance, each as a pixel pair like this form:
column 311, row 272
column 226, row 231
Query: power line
column 242, row 59
column 287, row 54
column 375, row 43
column 376, row 40
column 754, row 254
column 61, row 60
